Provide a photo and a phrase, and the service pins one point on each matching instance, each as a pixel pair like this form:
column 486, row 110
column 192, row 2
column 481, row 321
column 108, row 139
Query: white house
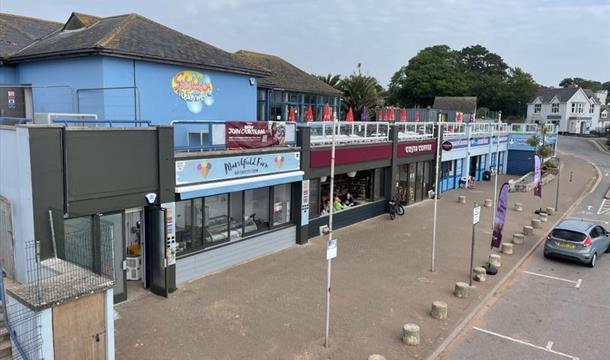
column 573, row 109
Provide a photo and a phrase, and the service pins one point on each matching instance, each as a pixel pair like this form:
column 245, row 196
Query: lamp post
column 439, row 137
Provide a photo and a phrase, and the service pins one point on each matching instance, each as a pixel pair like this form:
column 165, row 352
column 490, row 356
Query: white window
column 537, row 108
column 573, row 107
column 605, row 114
column 580, row 108
column 591, row 108
column 555, row 108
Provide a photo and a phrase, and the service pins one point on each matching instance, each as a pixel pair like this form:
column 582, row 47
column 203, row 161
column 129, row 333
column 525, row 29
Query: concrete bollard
column 488, row 203
column 479, row 274
column 536, row 224
column 543, row 217
column 507, row 248
column 495, row 260
column 518, row 207
column 376, row 357
column 518, row 238
column 462, row 199
column 550, row 211
column 439, row 310
column 410, row 334
column 528, row 230
column 461, row 289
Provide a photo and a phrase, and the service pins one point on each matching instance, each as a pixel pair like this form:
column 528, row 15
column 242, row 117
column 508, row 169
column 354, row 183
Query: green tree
column 361, row 90
column 520, row 87
column 434, row 71
column 583, row 83
column 330, row 79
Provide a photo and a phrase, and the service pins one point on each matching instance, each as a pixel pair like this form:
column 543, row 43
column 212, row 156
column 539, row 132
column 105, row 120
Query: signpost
column 331, row 241
column 476, row 217
column 439, row 137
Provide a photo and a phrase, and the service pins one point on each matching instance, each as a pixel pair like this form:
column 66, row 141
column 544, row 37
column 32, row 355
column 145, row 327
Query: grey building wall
column 207, row 262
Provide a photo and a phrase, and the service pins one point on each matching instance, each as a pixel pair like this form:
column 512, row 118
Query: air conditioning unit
column 134, row 267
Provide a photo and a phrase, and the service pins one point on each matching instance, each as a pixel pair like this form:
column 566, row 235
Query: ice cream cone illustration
column 204, row 168
column 279, row 161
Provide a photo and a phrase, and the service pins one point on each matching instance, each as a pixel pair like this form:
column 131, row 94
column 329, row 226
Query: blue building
column 125, row 68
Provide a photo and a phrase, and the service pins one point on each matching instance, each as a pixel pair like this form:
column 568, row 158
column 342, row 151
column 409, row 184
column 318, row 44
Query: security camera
column 150, row 198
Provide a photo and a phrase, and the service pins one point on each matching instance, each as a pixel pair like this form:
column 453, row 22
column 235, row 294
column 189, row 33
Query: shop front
column 415, row 162
column 453, row 165
column 361, row 185
column 230, row 209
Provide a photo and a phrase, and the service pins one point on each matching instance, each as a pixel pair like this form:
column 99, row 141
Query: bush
column 608, row 139
column 549, row 165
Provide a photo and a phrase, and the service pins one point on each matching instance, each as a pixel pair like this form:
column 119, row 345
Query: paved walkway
column 273, row 307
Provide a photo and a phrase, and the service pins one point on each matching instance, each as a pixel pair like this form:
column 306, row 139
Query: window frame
column 555, row 108
column 207, row 246
column 537, row 108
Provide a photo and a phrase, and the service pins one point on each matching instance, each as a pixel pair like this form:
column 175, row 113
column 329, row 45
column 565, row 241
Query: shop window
column 256, row 210
column 281, row 204
column 216, row 219
column 236, row 220
column 351, row 189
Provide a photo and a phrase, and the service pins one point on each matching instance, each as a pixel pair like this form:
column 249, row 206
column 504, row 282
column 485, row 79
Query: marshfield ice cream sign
column 231, row 167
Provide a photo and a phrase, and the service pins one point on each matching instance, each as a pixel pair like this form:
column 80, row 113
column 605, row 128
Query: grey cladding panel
column 195, row 266
column 110, row 164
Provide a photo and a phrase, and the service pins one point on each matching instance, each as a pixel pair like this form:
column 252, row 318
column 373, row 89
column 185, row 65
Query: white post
column 493, row 218
column 330, row 230
column 437, row 188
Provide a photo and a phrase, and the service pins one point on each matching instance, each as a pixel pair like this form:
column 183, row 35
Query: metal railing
column 348, row 132
column 210, row 135
column 454, row 129
column 529, row 128
column 414, row 130
column 21, row 324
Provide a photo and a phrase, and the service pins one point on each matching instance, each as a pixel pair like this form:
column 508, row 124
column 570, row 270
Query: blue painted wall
column 520, row 162
column 122, row 89
column 55, row 82
column 8, row 75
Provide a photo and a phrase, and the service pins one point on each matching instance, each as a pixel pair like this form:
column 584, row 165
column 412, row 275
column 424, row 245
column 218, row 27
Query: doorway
column 135, row 252
column 474, row 162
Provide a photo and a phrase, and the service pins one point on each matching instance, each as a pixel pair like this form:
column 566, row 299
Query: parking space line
column 604, row 207
column 586, row 219
column 576, row 283
column 547, row 348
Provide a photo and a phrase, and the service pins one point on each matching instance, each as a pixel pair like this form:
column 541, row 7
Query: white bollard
column 536, row 224
column 528, row 230
column 543, row 217
column 479, row 274
column 550, row 211
column 439, row 310
column 495, row 260
column 462, row 199
column 518, row 207
column 507, row 248
column 488, row 203
column 461, row 290
column 410, row 334
column 376, row 357
column 518, row 238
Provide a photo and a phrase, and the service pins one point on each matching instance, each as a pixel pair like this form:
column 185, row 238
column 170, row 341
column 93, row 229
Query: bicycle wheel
column 400, row 210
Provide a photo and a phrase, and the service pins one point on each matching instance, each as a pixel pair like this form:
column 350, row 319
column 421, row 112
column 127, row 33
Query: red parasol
column 326, row 113
column 291, row 116
column 392, row 113
column 459, row 117
column 403, row 114
column 350, row 115
column 309, row 114
column 381, row 116
column 417, row 116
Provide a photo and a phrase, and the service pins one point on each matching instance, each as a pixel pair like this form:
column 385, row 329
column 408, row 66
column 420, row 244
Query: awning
column 219, row 187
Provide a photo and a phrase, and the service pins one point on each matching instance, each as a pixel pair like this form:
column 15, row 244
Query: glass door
column 111, row 229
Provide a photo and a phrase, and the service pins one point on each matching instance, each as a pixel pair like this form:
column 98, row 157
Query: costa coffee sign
column 425, row 147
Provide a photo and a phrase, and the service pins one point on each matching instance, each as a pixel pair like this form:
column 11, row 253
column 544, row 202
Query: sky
column 551, row 39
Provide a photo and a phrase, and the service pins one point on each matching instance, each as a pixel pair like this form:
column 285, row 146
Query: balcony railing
column 532, row 128
column 210, row 135
column 414, row 130
column 454, row 129
column 348, row 132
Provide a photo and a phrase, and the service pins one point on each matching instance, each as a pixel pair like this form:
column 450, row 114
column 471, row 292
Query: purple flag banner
column 537, row 176
column 496, row 238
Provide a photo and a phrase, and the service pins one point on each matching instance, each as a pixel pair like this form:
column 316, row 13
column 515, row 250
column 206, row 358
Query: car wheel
column 593, row 260
column 608, row 249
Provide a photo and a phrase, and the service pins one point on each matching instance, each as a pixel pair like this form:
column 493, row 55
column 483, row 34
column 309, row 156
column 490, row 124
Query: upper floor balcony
column 348, row 132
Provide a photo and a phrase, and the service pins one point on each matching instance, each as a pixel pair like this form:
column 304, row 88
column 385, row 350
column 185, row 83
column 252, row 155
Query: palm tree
column 359, row 91
column 330, row 79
